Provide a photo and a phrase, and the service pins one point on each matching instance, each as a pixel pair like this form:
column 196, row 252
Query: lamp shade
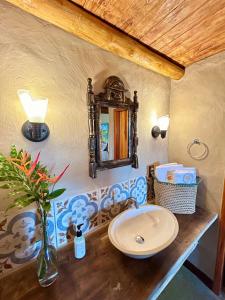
column 164, row 122
column 35, row 109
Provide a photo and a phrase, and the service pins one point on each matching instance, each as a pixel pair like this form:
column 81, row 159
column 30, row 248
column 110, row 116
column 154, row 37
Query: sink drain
column 139, row 239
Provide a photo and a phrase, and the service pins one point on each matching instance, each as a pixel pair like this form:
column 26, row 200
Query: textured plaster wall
column 197, row 110
column 54, row 64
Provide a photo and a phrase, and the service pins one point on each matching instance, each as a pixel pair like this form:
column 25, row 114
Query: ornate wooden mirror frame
column 114, row 95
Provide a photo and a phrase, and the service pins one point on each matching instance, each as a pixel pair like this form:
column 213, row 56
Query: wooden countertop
column 107, row 274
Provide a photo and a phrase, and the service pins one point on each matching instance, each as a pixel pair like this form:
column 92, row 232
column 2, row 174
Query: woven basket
column 178, row 198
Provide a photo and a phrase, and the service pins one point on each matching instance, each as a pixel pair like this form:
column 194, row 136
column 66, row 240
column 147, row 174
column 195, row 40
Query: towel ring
column 203, row 155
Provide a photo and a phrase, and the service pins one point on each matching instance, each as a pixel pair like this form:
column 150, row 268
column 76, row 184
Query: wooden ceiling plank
column 193, row 40
column 214, row 46
column 189, row 23
column 113, row 11
column 151, row 16
column 75, row 20
column 181, row 12
column 210, row 47
column 188, row 26
column 177, row 28
column 132, row 16
column 80, row 2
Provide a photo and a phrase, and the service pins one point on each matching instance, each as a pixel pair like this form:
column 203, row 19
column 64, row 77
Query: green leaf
column 3, row 178
column 5, row 186
column 56, row 194
column 46, row 205
column 19, row 154
column 13, row 152
column 23, row 201
column 44, row 185
column 2, row 158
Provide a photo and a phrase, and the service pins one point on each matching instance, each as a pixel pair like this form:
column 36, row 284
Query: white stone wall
column 197, row 110
column 54, row 64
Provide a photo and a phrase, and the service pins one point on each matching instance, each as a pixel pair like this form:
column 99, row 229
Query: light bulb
column 163, row 122
column 35, row 109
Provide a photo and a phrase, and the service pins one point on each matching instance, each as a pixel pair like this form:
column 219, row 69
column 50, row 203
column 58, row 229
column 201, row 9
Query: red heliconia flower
column 54, row 180
column 23, row 163
column 33, row 166
column 28, row 180
column 22, row 168
column 42, row 177
column 24, row 158
column 57, row 178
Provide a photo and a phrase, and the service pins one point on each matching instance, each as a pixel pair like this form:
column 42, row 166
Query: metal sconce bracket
column 35, row 132
column 156, row 132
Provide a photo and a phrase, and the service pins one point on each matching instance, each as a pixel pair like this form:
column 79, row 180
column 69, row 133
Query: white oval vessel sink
column 143, row 232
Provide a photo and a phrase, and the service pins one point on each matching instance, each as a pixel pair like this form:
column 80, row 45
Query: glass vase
column 47, row 260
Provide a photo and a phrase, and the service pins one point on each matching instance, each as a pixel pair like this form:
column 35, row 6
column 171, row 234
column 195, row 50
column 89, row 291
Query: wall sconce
column 35, row 128
column 161, row 129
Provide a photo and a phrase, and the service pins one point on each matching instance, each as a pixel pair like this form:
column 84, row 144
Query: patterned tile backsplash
column 20, row 233
column 138, row 189
column 77, row 210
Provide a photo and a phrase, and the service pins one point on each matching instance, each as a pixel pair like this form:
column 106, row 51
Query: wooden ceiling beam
column 77, row 21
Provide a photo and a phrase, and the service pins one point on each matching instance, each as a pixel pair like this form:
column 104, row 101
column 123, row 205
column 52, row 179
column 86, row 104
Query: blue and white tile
column 110, row 200
column 138, row 189
column 18, row 235
column 79, row 209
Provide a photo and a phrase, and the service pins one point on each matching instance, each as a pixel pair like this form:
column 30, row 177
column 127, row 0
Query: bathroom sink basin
column 143, row 232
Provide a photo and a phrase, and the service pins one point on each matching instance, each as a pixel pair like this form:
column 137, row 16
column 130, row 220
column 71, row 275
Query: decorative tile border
column 110, row 198
column 20, row 233
column 18, row 239
column 78, row 210
column 20, row 236
column 138, row 189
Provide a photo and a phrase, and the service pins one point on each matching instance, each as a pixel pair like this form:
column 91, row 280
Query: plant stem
column 44, row 227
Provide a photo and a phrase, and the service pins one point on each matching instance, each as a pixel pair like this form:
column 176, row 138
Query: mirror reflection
column 114, row 133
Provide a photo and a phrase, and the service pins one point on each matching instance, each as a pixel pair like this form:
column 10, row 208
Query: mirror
column 114, row 133
column 112, row 127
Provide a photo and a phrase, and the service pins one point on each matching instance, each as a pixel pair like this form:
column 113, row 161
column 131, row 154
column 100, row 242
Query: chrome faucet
column 132, row 202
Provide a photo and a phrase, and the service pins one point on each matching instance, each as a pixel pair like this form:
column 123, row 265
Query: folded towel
column 161, row 171
column 185, row 175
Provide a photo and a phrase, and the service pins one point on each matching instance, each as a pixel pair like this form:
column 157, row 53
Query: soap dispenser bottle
column 79, row 243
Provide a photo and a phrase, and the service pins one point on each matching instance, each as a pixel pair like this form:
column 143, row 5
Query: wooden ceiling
column 184, row 30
